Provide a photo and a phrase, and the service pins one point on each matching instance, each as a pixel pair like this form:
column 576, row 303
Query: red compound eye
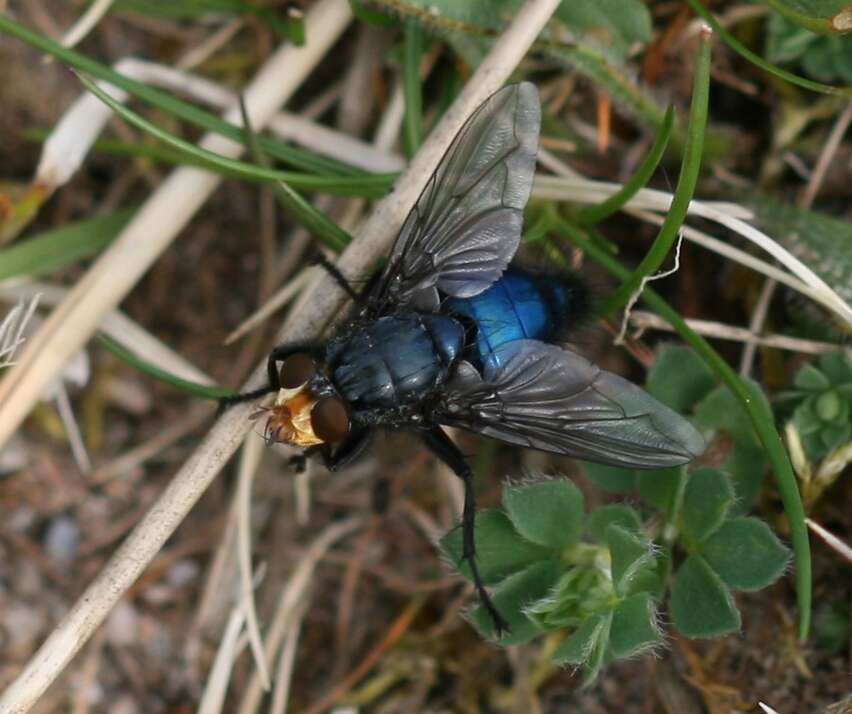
column 330, row 420
column 296, row 370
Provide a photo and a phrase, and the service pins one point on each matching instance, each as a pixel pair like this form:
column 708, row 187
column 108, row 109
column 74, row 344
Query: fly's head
column 307, row 411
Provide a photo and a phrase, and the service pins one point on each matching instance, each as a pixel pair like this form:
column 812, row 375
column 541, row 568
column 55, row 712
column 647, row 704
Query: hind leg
column 441, row 445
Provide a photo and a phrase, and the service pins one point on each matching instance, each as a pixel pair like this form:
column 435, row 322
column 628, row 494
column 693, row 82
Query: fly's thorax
column 395, row 359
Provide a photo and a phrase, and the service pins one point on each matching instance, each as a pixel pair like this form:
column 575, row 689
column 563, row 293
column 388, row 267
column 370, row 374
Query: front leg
column 441, row 445
column 279, row 354
column 336, row 459
column 347, row 452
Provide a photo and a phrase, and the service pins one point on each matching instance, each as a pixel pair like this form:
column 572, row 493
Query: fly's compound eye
column 330, row 420
column 296, row 370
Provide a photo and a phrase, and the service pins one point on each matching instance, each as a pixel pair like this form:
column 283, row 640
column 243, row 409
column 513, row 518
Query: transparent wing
column 466, row 225
column 551, row 399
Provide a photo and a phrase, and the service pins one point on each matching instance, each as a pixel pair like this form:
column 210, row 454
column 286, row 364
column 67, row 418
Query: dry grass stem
column 72, row 429
column 285, row 294
column 219, row 677
column 211, row 45
column 835, row 543
column 286, row 661
column 249, row 461
column 397, row 629
column 230, row 646
column 570, row 188
column 215, row 590
column 287, row 611
column 87, row 689
column 645, row 320
column 826, row 156
column 758, row 318
column 86, row 23
column 138, row 455
column 733, row 253
column 391, row 122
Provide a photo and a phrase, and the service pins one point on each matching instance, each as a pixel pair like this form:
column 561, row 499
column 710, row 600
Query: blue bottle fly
column 397, row 360
column 451, row 333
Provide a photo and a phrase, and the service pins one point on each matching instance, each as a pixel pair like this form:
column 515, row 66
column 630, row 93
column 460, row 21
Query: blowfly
column 451, row 333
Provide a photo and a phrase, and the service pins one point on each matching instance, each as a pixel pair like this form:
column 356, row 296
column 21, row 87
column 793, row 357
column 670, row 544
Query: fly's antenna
column 257, row 414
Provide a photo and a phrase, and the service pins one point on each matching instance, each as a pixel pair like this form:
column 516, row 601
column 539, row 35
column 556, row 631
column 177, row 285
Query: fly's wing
column 551, row 399
column 466, row 225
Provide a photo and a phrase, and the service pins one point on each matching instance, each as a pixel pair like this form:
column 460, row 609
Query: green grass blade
column 161, row 375
column 753, row 405
column 293, row 156
column 302, row 212
column 344, row 186
column 216, row 162
column 413, row 120
column 822, row 25
column 741, row 49
column 687, row 180
column 595, row 214
column 283, row 23
column 56, row 249
column 317, row 223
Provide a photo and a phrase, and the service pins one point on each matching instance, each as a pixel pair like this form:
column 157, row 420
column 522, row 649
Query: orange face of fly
column 289, row 420
column 298, row 416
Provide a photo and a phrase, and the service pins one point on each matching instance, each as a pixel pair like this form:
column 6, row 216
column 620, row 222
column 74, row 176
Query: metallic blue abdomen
column 518, row 306
column 396, row 359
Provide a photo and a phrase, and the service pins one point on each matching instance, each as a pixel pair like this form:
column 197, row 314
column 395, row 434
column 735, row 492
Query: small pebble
column 62, row 539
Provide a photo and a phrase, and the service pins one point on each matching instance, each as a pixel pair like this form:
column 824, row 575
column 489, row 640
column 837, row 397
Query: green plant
column 821, row 403
column 823, row 57
column 690, row 544
column 680, row 379
column 603, row 594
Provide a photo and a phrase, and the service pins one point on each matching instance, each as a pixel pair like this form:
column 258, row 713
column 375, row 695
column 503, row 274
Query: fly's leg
column 347, row 452
column 380, row 495
column 279, row 354
column 335, row 460
column 441, row 445
column 335, row 273
column 225, row 402
column 298, row 462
